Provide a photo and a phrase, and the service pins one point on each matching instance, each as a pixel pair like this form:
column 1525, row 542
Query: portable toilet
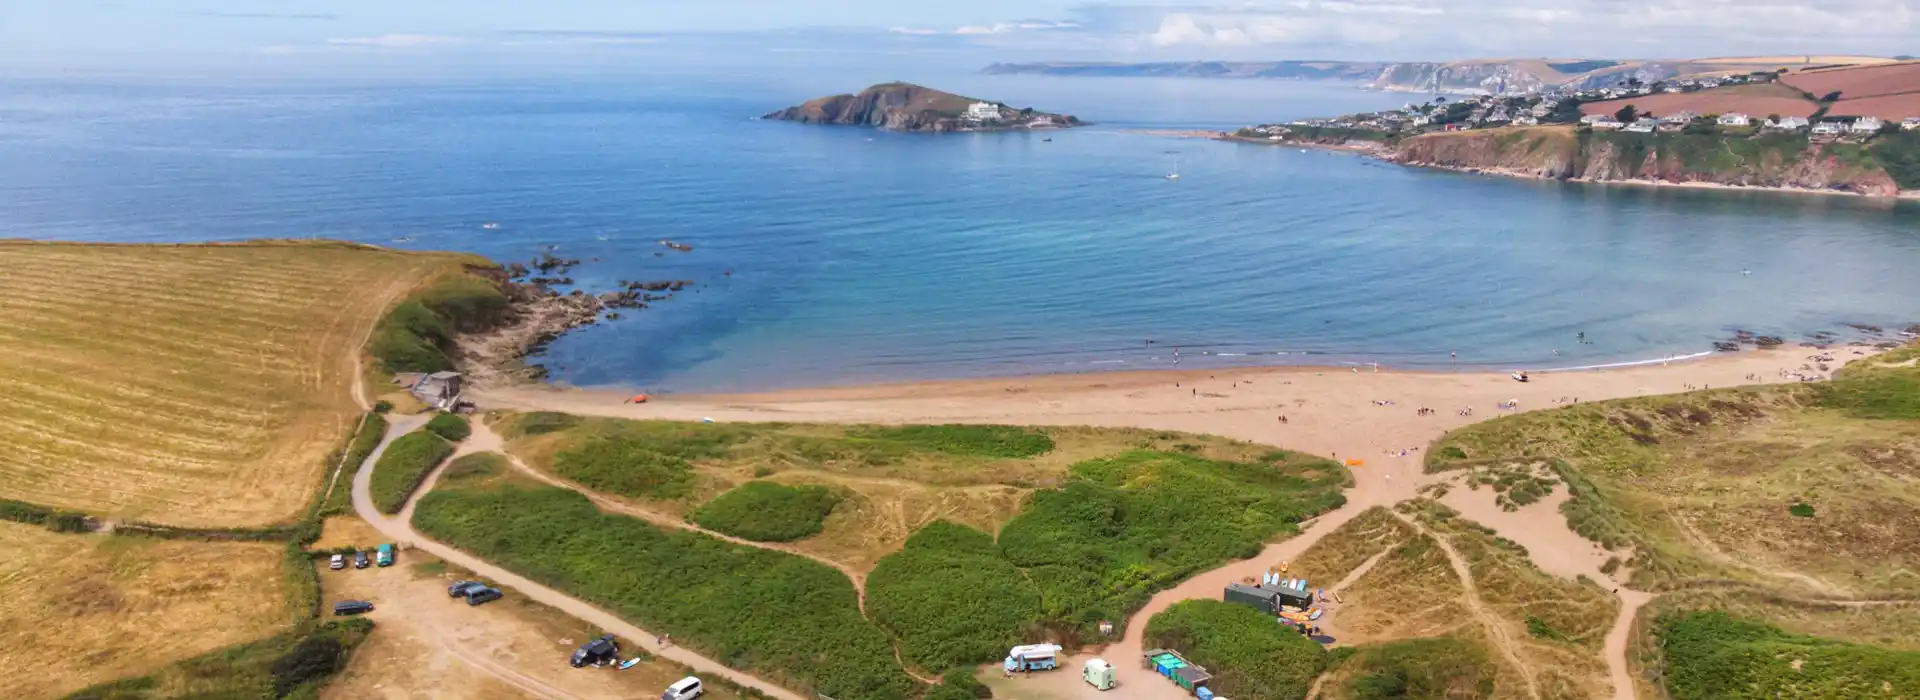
column 1098, row 673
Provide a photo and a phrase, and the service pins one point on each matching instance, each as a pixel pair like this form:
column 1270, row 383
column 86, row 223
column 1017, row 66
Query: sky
column 238, row 36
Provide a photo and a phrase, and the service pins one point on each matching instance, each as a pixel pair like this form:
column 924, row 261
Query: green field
column 1712, row 655
column 764, row 511
column 790, row 619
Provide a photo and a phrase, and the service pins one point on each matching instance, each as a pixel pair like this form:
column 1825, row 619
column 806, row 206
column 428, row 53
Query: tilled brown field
column 190, row 385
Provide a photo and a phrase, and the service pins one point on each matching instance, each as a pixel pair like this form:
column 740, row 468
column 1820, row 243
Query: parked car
column 360, row 560
column 386, row 554
column 460, row 588
column 598, row 652
column 338, row 562
column 684, row 689
column 483, row 594
column 352, row 607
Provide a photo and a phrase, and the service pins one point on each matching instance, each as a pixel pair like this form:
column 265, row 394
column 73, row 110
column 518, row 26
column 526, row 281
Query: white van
column 684, row 689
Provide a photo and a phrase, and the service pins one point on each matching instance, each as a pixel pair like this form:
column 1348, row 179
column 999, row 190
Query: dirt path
column 1344, row 414
column 401, row 530
column 1491, row 622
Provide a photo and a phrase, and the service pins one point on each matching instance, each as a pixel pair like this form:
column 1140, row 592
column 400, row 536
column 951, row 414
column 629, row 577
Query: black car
column 352, row 607
column 361, row 561
column 483, row 594
column 460, row 588
column 598, row 652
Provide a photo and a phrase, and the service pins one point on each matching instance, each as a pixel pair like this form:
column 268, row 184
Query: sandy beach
column 1362, row 414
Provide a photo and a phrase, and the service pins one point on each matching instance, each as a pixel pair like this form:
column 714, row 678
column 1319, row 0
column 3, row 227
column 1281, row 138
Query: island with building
column 908, row 107
column 1850, row 128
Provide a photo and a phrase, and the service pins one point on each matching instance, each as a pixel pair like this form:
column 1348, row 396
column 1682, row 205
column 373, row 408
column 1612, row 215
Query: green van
column 385, row 555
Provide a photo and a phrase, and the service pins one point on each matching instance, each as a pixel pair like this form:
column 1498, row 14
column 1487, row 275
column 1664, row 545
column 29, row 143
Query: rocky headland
column 909, row 107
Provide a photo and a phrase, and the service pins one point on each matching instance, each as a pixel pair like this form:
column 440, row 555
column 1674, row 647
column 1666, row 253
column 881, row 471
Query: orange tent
column 637, row 398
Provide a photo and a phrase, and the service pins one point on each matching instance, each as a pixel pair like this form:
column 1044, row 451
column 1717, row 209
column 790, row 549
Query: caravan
column 1032, row 657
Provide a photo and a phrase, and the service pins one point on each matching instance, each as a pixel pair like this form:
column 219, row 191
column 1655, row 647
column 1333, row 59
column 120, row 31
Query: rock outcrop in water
column 909, row 107
column 1560, row 153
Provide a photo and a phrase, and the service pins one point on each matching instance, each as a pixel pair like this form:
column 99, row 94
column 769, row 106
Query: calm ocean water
column 859, row 256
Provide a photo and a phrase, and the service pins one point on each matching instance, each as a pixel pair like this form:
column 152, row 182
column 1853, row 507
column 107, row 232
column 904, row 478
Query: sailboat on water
column 1175, row 175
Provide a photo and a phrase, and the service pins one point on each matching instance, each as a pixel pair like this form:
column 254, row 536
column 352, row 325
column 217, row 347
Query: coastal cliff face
column 908, row 107
column 1784, row 161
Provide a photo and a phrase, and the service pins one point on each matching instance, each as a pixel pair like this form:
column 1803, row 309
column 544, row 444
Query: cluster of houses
column 1680, row 120
column 988, row 114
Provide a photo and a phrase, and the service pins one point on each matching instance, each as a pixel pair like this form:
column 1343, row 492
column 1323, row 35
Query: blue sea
column 834, row 255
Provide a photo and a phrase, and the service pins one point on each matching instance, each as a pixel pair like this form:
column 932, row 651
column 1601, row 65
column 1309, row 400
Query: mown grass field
column 1800, row 486
column 892, row 480
column 193, row 385
column 80, row 609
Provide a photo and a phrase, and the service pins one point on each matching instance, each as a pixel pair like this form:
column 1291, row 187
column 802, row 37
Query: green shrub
column 1539, row 628
column 36, row 514
column 1438, row 668
column 1714, row 655
column 1900, row 155
column 962, row 677
column 1247, row 653
column 418, row 333
column 450, row 426
column 315, row 657
column 951, row 598
column 383, row 406
column 792, row 619
column 403, row 466
column 477, row 466
column 1801, row 510
column 627, row 468
column 366, row 436
column 468, row 303
column 1125, row 526
column 1003, row 441
column 539, row 423
column 764, row 511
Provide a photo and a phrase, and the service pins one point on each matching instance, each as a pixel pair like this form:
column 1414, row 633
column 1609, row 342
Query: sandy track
column 401, row 530
column 1329, row 411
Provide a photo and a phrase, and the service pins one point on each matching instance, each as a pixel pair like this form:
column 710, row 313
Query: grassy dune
column 81, row 609
column 192, row 385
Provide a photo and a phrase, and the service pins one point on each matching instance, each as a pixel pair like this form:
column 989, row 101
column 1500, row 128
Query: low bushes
column 474, row 467
column 1714, row 655
column 764, row 511
column 951, row 598
column 645, row 459
column 538, row 423
column 403, row 466
column 370, row 430
column 1877, row 396
column 1437, row 668
column 449, row 426
column 1004, row 441
column 794, row 620
column 1248, row 654
column 1126, row 526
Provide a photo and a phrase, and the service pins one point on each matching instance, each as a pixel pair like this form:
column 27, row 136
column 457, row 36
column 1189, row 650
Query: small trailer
column 1176, row 668
column 1097, row 673
column 1033, row 657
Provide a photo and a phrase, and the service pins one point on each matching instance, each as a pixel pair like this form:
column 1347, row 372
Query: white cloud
column 1021, row 26
column 913, row 31
column 396, row 41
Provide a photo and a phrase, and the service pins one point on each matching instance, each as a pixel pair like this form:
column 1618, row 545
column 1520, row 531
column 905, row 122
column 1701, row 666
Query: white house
column 1681, row 117
column 983, row 112
column 1422, row 120
column 1735, row 119
column 1644, row 126
column 1525, row 120
column 1910, row 123
column 1867, row 125
column 1606, row 123
column 1591, row 118
column 1828, row 128
column 1788, row 124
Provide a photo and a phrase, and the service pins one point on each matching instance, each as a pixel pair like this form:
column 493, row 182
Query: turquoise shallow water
column 865, row 256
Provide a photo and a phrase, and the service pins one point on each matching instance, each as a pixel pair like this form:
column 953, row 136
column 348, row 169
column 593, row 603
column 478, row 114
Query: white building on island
column 983, row 112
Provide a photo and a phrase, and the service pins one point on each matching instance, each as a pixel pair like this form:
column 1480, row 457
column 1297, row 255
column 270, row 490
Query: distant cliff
column 908, row 107
column 1884, row 167
column 1471, row 76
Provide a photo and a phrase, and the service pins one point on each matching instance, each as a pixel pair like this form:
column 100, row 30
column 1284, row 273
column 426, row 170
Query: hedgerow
column 450, row 426
column 403, row 466
column 295, row 664
column 35, row 514
column 764, row 511
column 1126, row 526
column 367, row 435
column 951, row 598
column 794, row 620
column 1248, row 653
